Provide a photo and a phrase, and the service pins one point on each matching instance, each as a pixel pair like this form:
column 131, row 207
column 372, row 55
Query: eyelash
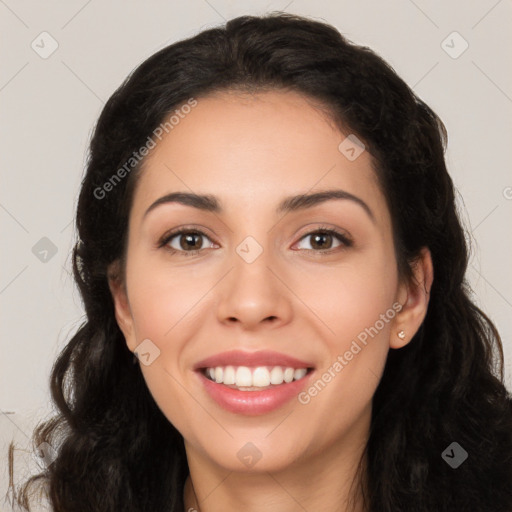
column 346, row 241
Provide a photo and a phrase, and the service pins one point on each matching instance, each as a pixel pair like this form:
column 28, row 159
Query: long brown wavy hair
column 115, row 447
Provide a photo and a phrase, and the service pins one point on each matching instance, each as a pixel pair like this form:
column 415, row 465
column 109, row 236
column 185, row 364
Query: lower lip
column 252, row 403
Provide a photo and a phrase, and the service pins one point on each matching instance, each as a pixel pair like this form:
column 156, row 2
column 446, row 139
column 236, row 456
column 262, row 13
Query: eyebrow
column 210, row 203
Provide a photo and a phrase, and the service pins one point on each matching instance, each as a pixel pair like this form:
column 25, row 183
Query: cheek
column 355, row 304
column 358, row 309
column 162, row 308
column 162, row 299
column 350, row 298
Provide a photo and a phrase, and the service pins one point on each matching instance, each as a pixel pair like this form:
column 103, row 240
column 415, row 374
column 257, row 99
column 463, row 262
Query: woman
column 272, row 268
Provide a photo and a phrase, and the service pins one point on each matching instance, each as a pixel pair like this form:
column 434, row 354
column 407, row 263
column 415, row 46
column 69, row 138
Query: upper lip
column 260, row 358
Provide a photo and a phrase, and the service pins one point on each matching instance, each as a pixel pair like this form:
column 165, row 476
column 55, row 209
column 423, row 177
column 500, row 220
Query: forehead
column 257, row 148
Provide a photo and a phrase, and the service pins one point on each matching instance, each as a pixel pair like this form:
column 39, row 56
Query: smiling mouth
column 260, row 378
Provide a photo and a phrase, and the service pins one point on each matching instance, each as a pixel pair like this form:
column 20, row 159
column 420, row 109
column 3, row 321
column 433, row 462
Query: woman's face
column 262, row 278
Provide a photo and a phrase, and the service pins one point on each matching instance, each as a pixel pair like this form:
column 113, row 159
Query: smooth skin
column 252, row 151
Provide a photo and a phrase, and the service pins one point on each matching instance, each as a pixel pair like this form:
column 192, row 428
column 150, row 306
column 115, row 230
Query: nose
column 254, row 294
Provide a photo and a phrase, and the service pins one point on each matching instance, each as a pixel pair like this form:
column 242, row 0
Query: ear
column 414, row 297
column 117, row 285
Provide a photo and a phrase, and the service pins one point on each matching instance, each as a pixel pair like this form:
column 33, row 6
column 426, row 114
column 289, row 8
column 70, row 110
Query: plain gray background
column 453, row 54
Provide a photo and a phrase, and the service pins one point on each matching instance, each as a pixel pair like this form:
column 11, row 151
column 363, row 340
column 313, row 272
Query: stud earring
column 401, row 335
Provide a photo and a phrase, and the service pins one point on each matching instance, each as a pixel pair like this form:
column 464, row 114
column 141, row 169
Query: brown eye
column 323, row 239
column 185, row 241
column 190, row 241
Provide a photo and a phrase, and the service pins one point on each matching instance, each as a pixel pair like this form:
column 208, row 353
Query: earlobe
column 414, row 297
column 121, row 305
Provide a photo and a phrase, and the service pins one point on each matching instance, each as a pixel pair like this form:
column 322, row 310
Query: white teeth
column 229, row 375
column 276, row 375
column 288, row 374
column 298, row 374
column 261, row 376
column 243, row 376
